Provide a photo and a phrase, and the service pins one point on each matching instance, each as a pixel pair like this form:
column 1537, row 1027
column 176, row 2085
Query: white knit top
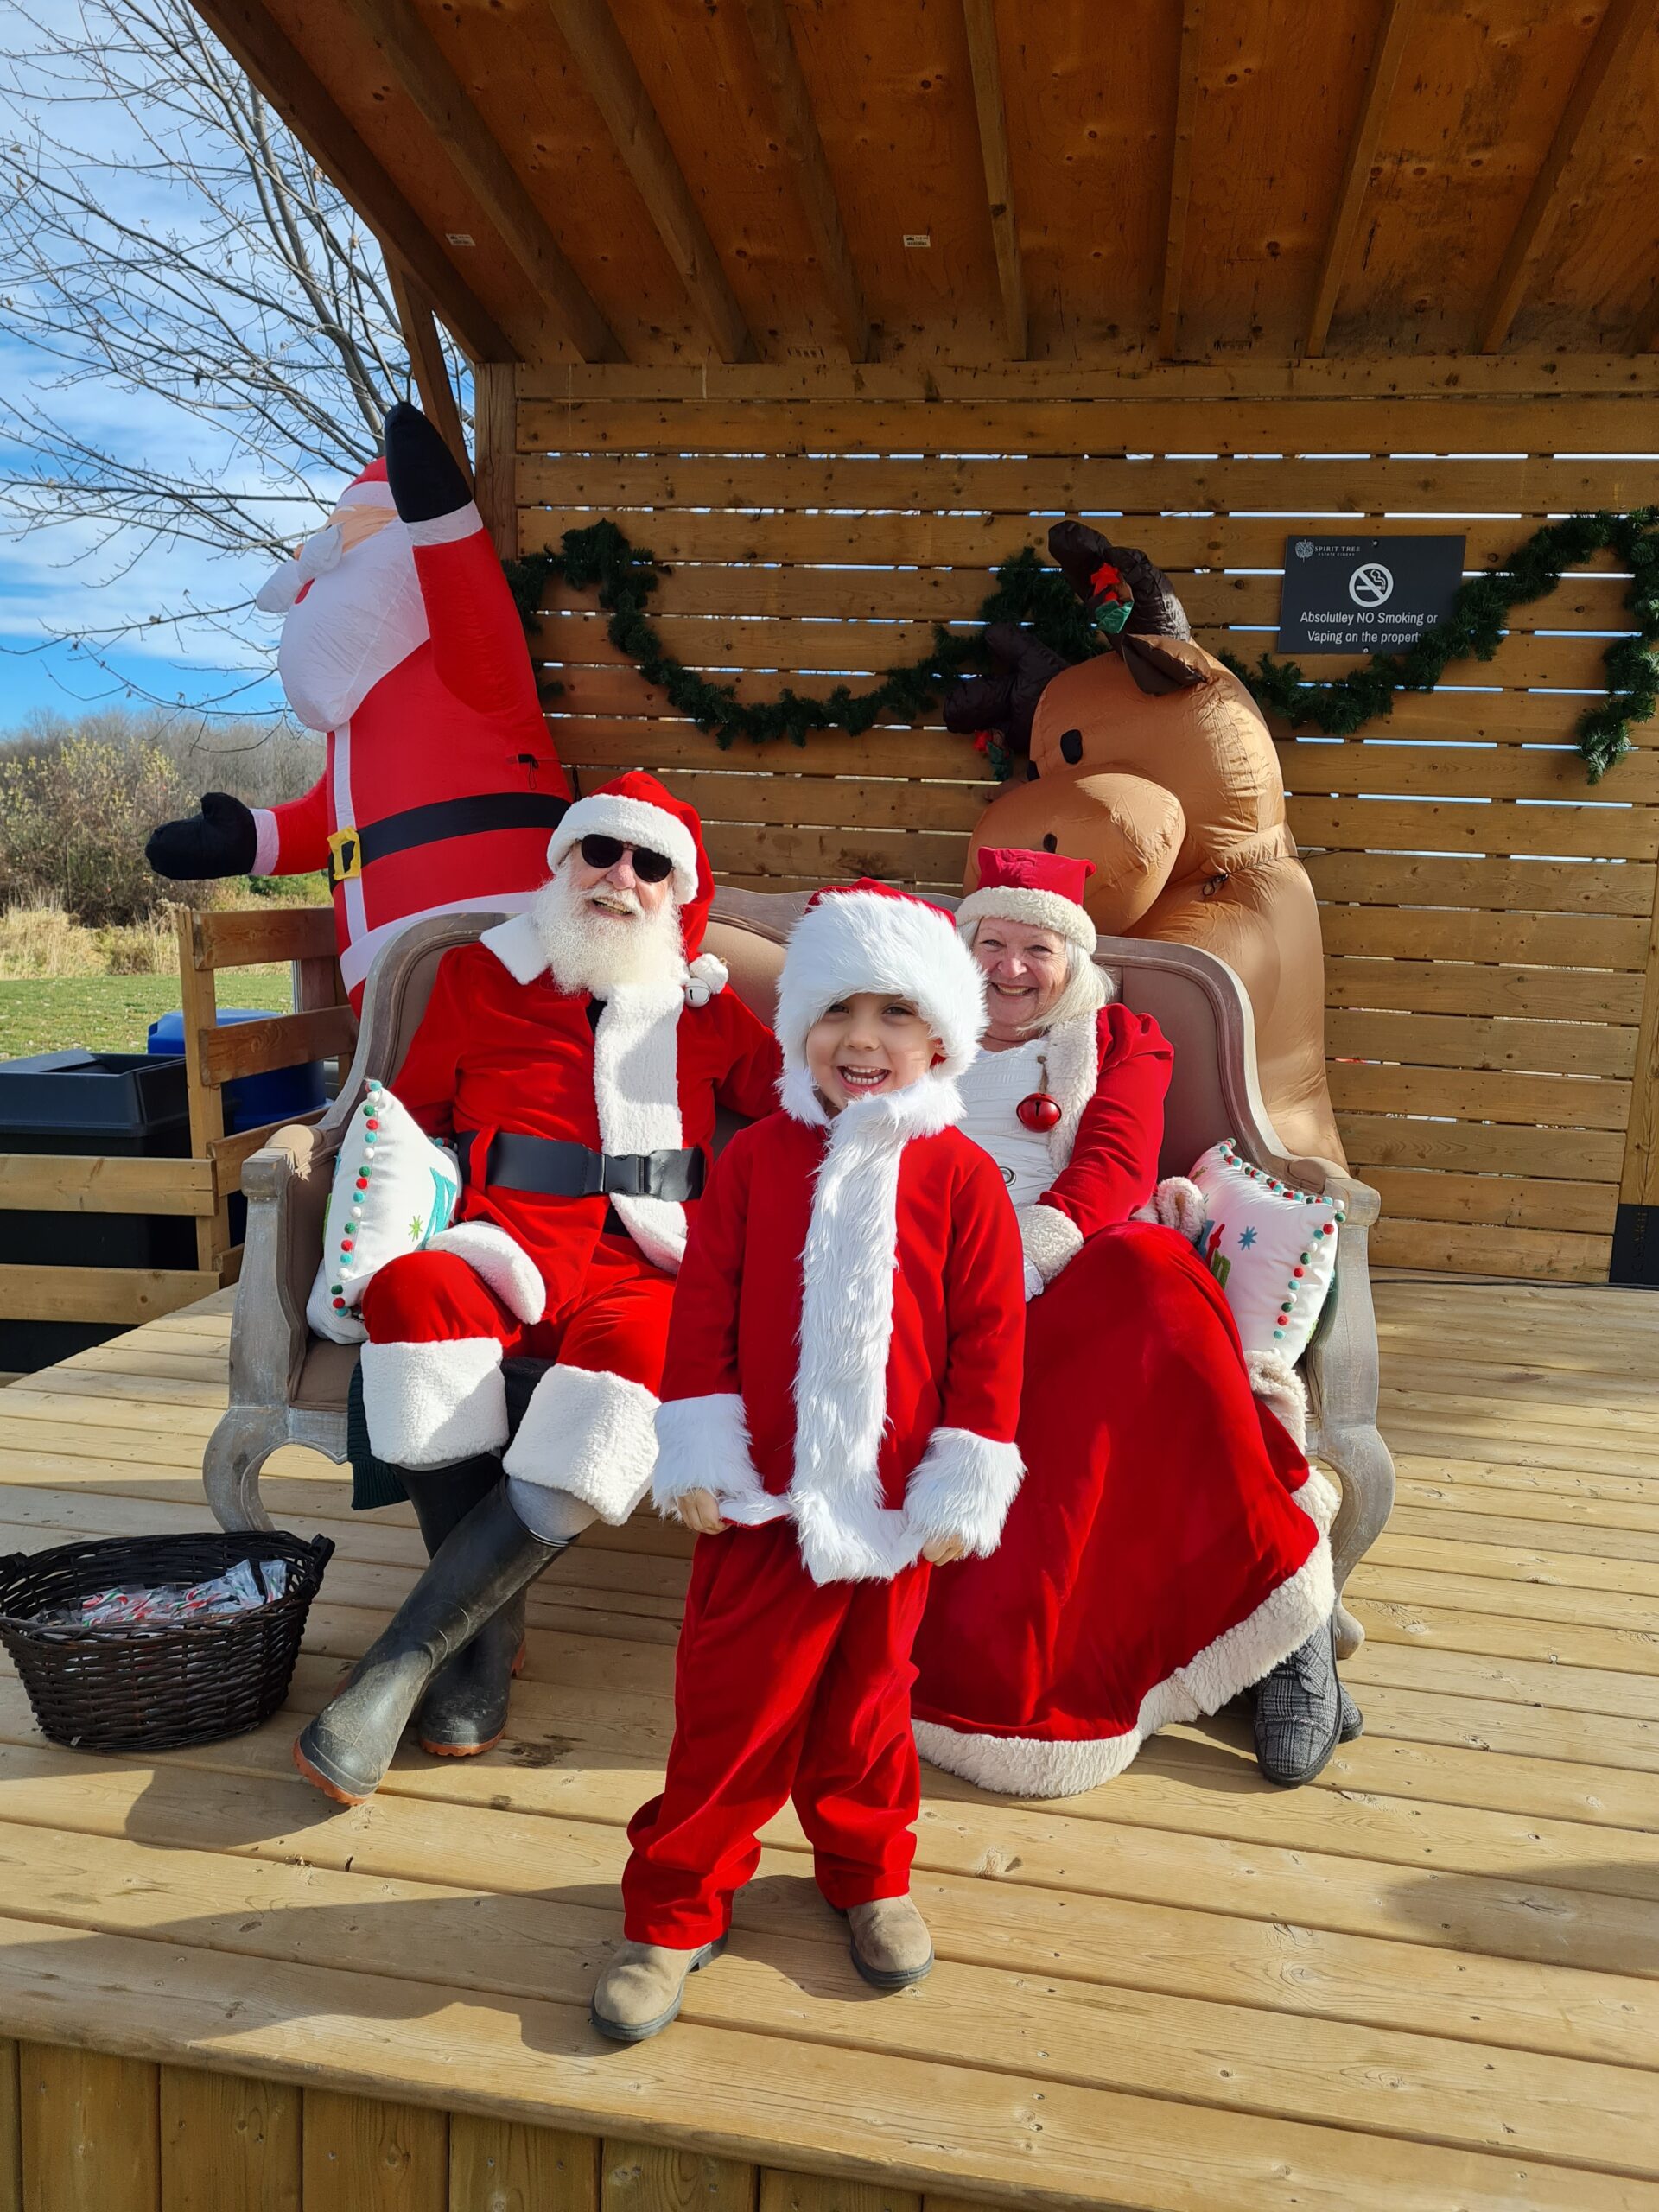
column 991, row 1089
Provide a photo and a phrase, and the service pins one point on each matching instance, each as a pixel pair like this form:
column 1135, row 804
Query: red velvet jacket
column 847, row 1337
column 493, row 1054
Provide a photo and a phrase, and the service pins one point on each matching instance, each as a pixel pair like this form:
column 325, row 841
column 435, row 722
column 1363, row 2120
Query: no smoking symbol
column 1371, row 584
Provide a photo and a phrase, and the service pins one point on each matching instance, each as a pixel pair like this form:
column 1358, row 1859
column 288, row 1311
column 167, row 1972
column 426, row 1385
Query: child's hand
column 943, row 1549
column 699, row 1510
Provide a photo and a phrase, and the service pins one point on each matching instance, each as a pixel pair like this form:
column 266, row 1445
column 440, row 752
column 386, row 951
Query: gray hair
column 1088, row 987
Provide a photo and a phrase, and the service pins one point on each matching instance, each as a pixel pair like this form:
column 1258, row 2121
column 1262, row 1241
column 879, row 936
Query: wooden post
column 1635, row 1237
column 420, row 329
column 199, row 999
column 495, row 451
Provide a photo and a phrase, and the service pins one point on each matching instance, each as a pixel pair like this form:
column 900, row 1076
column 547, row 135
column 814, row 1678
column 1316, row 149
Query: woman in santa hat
column 1169, row 1546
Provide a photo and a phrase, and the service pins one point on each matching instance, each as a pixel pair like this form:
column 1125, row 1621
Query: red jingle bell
column 1038, row 1112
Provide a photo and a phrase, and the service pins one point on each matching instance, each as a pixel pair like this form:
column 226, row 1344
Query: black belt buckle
column 623, row 1175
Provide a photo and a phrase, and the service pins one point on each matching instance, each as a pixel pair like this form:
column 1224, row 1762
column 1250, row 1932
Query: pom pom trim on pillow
column 1230, row 1157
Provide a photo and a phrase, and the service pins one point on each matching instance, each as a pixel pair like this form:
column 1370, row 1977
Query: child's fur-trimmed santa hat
column 867, row 936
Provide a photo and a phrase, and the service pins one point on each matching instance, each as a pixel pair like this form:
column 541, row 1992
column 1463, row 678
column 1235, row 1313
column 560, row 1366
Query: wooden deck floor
column 1432, row 1980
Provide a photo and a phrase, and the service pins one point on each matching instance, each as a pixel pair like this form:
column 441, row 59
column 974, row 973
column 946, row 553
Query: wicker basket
column 155, row 1689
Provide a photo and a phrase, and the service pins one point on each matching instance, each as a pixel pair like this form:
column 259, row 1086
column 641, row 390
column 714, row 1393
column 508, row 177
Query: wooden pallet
column 1431, row 1978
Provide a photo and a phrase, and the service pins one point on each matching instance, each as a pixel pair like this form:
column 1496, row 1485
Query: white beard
column 604, row 954
column 355, row 624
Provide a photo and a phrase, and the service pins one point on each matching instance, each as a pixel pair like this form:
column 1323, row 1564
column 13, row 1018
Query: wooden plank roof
column 807, row 180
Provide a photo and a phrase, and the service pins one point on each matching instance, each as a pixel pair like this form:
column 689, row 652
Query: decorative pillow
column 394, row 1189
column 1272, row 1248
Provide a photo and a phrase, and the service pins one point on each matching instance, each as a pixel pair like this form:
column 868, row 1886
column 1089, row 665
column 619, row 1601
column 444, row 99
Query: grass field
column 111, row 1014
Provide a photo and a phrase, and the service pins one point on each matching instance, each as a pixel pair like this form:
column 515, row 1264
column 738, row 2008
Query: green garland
column 600, row 558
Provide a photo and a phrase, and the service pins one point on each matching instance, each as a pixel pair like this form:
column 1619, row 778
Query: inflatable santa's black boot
column 481, row 1566
column 465, row 1712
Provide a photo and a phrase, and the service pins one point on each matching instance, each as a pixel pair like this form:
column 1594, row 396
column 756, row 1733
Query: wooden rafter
column 609, row 71
column 1645, row 330
column 268, row 58
column 1180, row 178
column 418, row 63
column 1386, row 57
column 426, row 359
column 1605, row 73
column 774, row 43
column 980, row 19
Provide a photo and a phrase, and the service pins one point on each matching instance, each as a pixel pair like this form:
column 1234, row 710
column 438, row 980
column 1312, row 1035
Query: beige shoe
column 641, row 1990
column 891, row 1945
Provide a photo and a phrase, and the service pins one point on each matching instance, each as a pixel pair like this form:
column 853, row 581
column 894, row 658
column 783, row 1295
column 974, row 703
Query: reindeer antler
column 1081, row 553
column 1005, row 700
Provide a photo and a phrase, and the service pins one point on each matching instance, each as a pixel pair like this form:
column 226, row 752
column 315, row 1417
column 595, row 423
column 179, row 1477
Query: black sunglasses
column 605, row 852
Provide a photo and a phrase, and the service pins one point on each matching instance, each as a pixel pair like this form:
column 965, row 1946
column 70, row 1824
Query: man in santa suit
column 576, row 1056
column 401, row 643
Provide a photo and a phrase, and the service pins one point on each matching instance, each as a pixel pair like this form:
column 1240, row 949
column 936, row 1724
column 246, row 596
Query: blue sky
column 61, row 578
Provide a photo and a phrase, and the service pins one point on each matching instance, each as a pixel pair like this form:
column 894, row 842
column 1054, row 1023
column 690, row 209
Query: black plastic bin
column 123, row 1105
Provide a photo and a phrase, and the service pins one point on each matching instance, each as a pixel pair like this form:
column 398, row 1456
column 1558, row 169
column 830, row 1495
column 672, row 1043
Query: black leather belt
column 557, row 1170
column 352, row 850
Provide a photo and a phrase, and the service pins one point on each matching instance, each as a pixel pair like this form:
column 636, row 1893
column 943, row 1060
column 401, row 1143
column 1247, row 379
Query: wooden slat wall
column 1488, row 914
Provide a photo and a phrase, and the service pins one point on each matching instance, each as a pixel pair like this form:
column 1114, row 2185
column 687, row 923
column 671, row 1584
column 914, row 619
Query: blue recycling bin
column 251, row 1100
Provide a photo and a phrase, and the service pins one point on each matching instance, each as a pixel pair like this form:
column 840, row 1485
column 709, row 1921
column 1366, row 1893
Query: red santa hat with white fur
column 868, row 937
column 1044, row 889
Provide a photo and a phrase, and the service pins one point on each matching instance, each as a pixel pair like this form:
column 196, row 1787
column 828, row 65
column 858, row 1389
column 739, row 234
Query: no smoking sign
column 1366, row 595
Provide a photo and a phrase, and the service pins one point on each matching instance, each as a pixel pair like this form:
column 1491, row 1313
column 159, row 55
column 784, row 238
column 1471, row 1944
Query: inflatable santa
column 574, row 1057
column 400, row 643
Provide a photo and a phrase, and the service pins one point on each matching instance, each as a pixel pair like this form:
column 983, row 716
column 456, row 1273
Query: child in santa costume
column 838, row 1414
column 576, row 1057
column 401, row 643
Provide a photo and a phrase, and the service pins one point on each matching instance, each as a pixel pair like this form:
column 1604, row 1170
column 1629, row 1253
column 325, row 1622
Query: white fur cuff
column 1281, row 1389
column 703, row 1444
column 500, row 1264
column 266, row 842
column 428, row 1405
column 1176, row 1204
column 1051, row 1238
column 964, row 1487
column 593, row 1436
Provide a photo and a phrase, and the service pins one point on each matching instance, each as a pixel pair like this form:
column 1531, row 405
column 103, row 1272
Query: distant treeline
column 77, row 799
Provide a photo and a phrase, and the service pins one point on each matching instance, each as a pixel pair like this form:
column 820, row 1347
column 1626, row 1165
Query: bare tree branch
column 163, row 238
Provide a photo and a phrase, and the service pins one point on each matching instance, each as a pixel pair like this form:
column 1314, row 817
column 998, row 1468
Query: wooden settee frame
column 289, row 1387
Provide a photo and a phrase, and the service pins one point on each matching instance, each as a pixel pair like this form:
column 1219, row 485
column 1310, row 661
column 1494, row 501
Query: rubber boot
column 484, row 1563
column 466, row 1709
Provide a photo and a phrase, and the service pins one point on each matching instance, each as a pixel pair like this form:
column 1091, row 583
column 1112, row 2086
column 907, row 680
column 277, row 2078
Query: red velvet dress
column 1167, row 1546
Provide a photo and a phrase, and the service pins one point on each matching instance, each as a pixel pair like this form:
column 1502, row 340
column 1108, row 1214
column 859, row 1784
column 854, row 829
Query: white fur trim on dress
column 703, row 1444
column 591, row 1435
column 613, row 814
column 1052, row 1240
column 446, row 530
column 1043, row 910
column 963, row 1486
column 1071, row 1051
column 864, row 941
column 427, row 1405
column 1177, row 1203
column 1033, row 1766
column 499, row 1262
column 265, row 841
column 1280, row 1388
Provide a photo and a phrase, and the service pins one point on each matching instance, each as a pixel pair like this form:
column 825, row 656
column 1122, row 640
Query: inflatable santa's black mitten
column 222, row 840
column 424, row 478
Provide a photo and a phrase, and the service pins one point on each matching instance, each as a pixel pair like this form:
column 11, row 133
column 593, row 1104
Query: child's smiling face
column 866, row 1046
